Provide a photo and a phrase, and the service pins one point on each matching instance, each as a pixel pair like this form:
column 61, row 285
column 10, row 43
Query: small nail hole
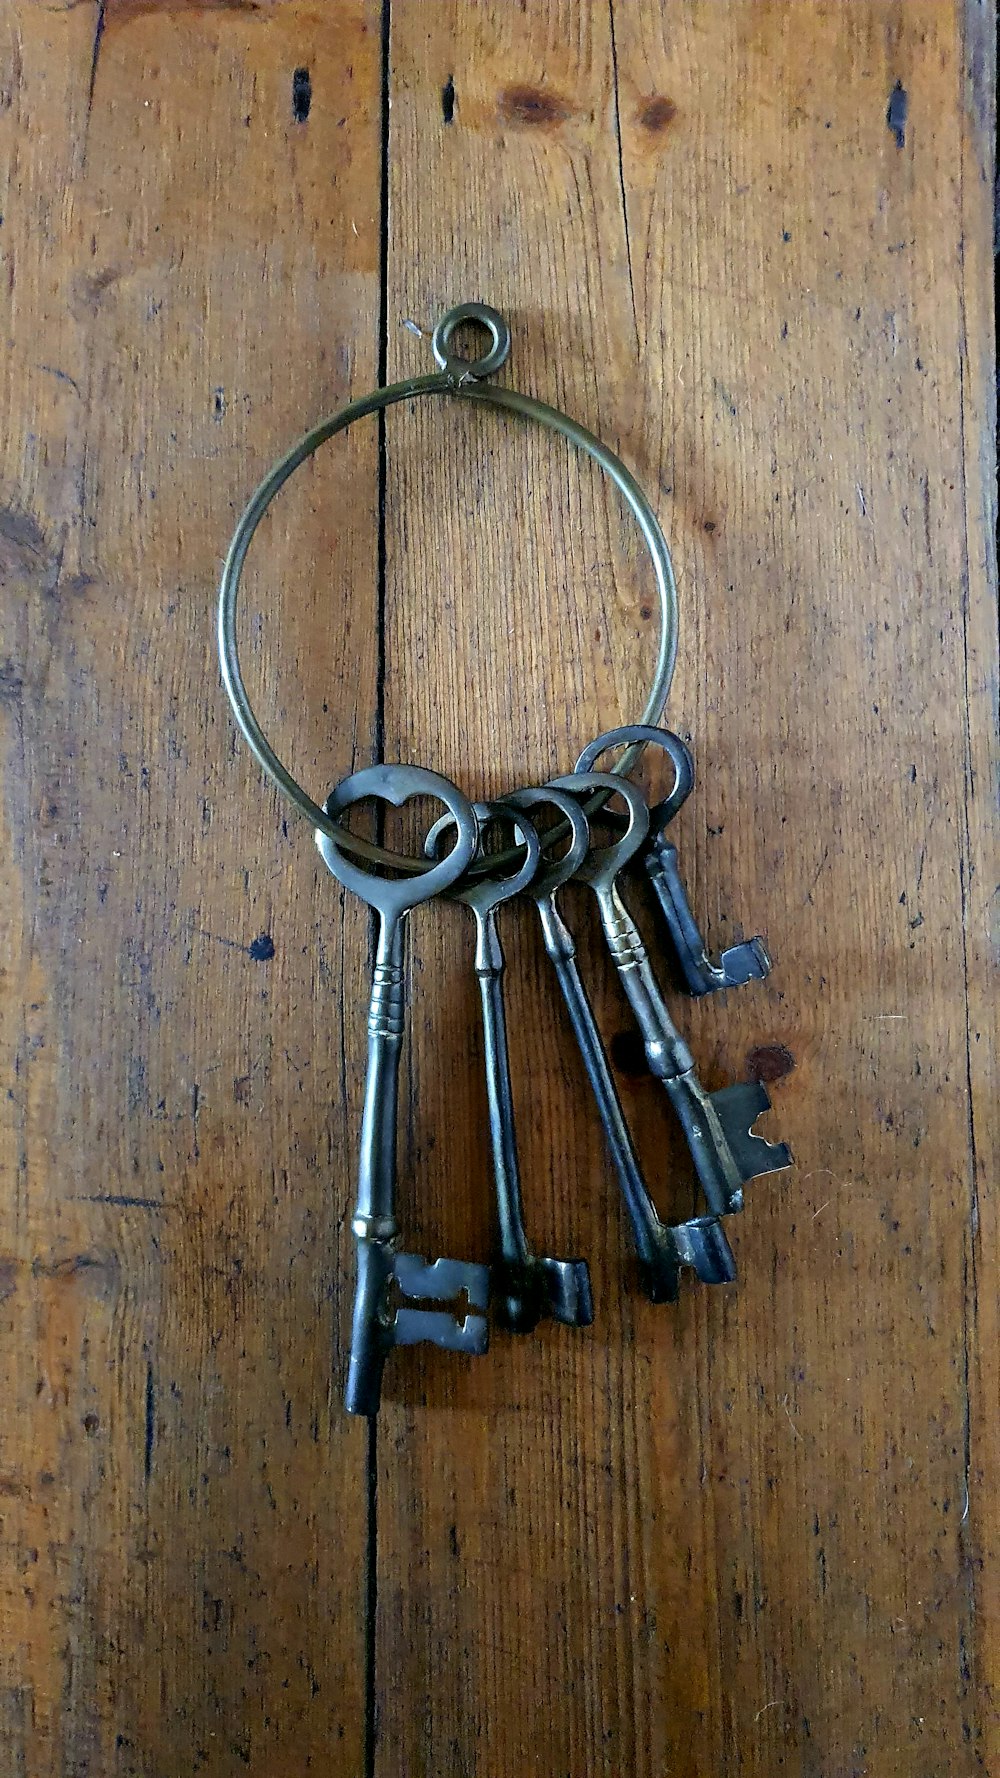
column 301, row 94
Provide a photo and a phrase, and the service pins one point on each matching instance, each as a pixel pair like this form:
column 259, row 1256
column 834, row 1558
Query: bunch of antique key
column 717, row 1126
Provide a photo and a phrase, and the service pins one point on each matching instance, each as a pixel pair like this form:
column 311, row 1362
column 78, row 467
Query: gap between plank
column 371, row 1593
column 371, row 1449
column 621, row 168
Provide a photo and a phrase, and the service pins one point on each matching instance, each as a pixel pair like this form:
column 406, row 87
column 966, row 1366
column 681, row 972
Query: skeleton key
column 376, row 1328
column 660, row 1249
column 741, row 963
column 717, row 1125
column 526, row 1286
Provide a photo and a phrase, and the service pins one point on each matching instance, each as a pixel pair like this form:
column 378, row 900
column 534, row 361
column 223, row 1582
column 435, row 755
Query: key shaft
column 499, row 1094
column 374, row 1215
column 527, row 1286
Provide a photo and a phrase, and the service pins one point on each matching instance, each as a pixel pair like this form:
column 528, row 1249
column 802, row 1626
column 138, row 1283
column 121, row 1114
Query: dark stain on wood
column 23, row 532
column 532, row 105
column 72, row 1266
column 769, row 1061
column 11, row 682
column 656, row 114
column 88, row 289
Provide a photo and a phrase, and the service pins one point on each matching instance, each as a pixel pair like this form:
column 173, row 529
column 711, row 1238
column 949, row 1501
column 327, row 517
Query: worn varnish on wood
column 750, row 246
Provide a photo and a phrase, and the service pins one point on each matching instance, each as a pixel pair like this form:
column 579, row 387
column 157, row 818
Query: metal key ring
column 458, row 377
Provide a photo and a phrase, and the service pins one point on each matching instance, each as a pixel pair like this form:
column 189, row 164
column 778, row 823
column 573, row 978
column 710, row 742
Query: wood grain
column 750, row 245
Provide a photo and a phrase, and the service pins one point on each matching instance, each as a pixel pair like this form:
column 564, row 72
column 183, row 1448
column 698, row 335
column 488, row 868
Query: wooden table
column 749, row 244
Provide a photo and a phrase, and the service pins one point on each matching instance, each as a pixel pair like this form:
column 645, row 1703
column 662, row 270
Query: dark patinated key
column 745, row 962
column 527, row 1286
column 717, row 1125
column 378, row 1327
column 661, row 1251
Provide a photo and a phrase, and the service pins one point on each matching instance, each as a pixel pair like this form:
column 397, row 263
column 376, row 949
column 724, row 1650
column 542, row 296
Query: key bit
column 701, row 1244
column 717, row 1125
column 539, row 1289
column 738, row 1107
column 377, row 1329
column 443, row 1281
column 745, row 962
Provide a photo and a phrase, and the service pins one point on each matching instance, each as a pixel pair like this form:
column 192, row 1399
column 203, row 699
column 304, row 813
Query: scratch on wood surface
column 62, row 376
column 788, row 1413
column 120, row 1201
column 149, row 1437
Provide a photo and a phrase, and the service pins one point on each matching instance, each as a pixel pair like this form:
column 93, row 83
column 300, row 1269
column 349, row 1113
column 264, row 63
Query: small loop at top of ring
column 476, row 368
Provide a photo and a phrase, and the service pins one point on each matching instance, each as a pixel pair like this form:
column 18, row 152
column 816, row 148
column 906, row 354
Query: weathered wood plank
column 980, row 879
column 732, row 1535
column 191, row 273
column 503, row 1550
